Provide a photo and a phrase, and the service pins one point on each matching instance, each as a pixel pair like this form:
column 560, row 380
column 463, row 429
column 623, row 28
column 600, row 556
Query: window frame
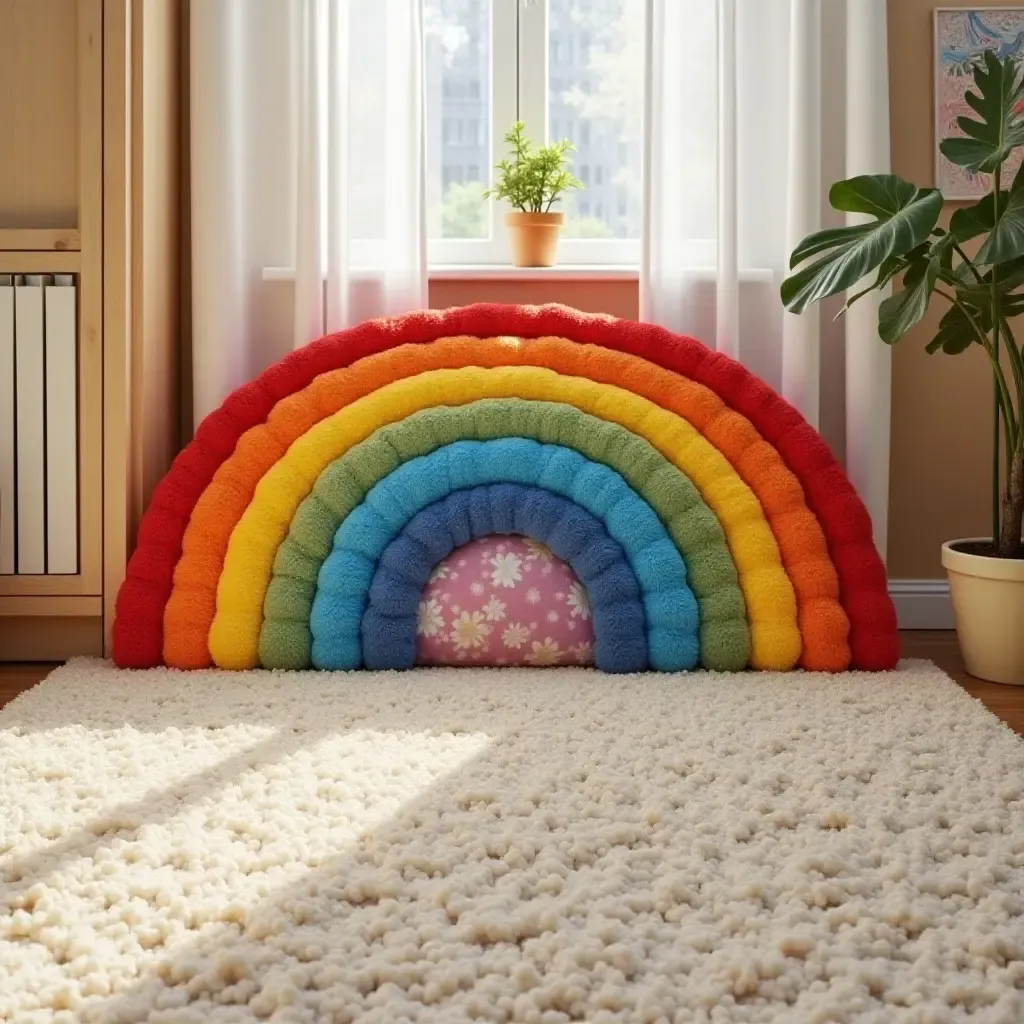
column 519, row 91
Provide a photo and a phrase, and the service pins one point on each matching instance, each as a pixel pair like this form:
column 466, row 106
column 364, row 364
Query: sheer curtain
column 307, row 151
column 752, row 108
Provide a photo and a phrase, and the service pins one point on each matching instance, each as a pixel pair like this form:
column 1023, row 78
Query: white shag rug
column 508, row 845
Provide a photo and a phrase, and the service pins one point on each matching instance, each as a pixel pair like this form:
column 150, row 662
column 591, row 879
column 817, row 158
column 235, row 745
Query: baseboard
column 922, row 604
column 50, row 637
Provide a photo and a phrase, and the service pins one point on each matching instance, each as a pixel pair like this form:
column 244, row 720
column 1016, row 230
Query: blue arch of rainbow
column 390, row 621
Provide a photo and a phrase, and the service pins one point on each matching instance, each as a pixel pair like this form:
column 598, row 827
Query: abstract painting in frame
column 962, row 35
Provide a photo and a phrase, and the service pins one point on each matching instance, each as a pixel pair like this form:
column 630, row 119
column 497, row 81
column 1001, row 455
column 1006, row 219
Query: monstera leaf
column 890, row 267
column 1005, row 233
column 955, row 332
column 904, row 216
column 979, row 293
column 898, row 313
column 1001, row 128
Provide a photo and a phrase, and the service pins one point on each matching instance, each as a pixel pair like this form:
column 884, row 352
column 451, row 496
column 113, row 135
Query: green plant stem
column 1004, row 409
column 964, row 257
column 996, row 505
column 1017, row 366
column 1004, row 405
column 1003, row 400
column 1016, row 362
column 541, row 193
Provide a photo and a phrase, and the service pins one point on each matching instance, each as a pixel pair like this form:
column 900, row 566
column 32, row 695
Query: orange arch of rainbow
column 797, row 532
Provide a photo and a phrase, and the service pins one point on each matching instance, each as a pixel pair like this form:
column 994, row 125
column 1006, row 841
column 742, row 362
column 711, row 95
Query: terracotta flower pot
column 534, row 237
column 988, row 601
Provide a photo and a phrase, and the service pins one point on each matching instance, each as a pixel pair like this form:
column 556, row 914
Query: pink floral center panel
column 504, row 601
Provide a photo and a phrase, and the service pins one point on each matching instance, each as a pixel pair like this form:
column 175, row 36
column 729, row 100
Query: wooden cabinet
column 89, row 187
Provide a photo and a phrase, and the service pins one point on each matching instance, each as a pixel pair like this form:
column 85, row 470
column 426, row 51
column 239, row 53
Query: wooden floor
column 935, row 645
column 940, row 646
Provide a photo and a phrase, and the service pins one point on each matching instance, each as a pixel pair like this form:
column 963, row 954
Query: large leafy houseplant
column 900, row 236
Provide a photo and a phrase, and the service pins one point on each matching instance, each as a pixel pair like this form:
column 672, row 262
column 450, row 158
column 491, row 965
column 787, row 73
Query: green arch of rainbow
column 285, row 635
column 767, row 591
column 797, row 534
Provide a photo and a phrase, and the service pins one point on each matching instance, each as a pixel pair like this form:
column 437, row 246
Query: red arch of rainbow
column 874, row 641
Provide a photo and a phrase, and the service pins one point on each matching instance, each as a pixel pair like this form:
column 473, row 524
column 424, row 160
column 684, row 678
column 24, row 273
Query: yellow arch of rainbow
column 771, row 601
column 191, row 607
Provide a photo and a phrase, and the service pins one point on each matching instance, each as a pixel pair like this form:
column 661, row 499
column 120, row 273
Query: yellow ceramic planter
column 988, row 602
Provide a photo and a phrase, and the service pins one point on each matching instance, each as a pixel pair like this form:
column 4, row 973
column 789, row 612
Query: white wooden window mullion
column 533, row 69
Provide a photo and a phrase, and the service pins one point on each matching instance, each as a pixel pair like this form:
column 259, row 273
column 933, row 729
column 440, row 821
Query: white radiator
column 38, row 425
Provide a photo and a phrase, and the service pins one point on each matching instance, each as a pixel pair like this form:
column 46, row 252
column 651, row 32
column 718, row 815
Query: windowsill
column 505, row 272
column 566, row 272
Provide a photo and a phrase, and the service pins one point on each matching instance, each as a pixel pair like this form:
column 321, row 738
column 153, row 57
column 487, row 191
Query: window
column 459, row 36
column 483, row 72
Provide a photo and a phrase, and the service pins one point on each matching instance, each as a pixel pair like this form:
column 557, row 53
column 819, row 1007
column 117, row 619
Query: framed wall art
column 962, row 35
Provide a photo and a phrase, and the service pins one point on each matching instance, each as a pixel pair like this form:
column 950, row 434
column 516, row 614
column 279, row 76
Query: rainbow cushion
column 775, row 545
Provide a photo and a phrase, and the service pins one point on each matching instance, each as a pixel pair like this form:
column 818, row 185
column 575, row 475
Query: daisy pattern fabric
column 504, row 601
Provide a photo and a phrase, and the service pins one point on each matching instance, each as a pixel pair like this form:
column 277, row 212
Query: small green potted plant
column 531, row 180
column 983, row 293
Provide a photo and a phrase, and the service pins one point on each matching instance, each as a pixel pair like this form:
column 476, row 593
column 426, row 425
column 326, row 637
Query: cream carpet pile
column 527, row 846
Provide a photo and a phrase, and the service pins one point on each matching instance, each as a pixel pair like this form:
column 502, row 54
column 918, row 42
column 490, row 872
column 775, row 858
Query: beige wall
column 941, row 405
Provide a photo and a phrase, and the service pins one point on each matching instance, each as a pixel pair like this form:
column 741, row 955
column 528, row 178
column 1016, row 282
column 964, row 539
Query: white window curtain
column 307, row 151
column 752, row 108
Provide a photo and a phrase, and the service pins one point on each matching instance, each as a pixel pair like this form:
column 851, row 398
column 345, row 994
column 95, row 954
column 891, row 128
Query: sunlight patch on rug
column 512, row 846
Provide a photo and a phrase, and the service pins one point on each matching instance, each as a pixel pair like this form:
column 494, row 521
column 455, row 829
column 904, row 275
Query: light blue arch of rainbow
column 669, row 605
